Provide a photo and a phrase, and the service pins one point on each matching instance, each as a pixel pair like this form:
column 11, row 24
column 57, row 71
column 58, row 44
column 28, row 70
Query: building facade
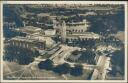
column 24, row 42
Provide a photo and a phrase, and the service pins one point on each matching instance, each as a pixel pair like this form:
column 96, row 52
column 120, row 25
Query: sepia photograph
column 62, row 41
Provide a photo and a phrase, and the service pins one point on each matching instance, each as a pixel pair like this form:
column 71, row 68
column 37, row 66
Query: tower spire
column 63, row 32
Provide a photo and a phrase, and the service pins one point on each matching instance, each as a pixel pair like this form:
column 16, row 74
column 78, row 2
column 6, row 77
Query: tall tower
column 54, row 24
column 86, row 24
column 24, row 24
column 63, row 32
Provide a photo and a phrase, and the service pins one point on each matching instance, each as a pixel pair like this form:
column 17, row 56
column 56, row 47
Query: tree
column 77, row 70
column 76, row 52
column 113, row 22
column 62, row 69
column 9, row 53
column 36, row 53
column 87, row 57
column 118, row 62
column 47, row 64
column 25, row 59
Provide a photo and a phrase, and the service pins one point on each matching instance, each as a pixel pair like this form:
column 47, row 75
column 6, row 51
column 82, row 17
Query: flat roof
column 84, row 35
column 18, row 38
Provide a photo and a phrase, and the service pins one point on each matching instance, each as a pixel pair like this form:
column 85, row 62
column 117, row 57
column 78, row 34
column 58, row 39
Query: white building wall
column 77, row 28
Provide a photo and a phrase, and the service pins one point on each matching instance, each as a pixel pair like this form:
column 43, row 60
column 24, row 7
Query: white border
column 64, row 2
column 67, row 2
column 1, row 40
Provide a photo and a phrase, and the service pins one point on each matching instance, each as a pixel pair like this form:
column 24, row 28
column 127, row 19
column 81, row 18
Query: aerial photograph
column 63, row 42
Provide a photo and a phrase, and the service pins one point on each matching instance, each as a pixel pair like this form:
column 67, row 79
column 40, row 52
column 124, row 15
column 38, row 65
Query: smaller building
column 29, row 29
column 9, row 25
column 49, row 42
column 77, row 26
column 40, row 15
column 81, row 26
column 50, row 32
column 82, row 36
column 28, row 43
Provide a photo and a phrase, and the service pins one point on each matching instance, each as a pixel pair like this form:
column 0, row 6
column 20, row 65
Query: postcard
column 67, row 41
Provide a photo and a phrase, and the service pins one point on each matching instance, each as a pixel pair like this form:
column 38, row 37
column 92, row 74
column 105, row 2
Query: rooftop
column 84, row 35
column 27, row 39
column 18, row 38
column 43, row 14
column 77, row 23
column 29, row 29
column 32, row 28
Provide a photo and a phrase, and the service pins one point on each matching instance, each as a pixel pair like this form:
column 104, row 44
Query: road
column 103, row 63
column 56, row 54
column 105, row 69
column 59, row 57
